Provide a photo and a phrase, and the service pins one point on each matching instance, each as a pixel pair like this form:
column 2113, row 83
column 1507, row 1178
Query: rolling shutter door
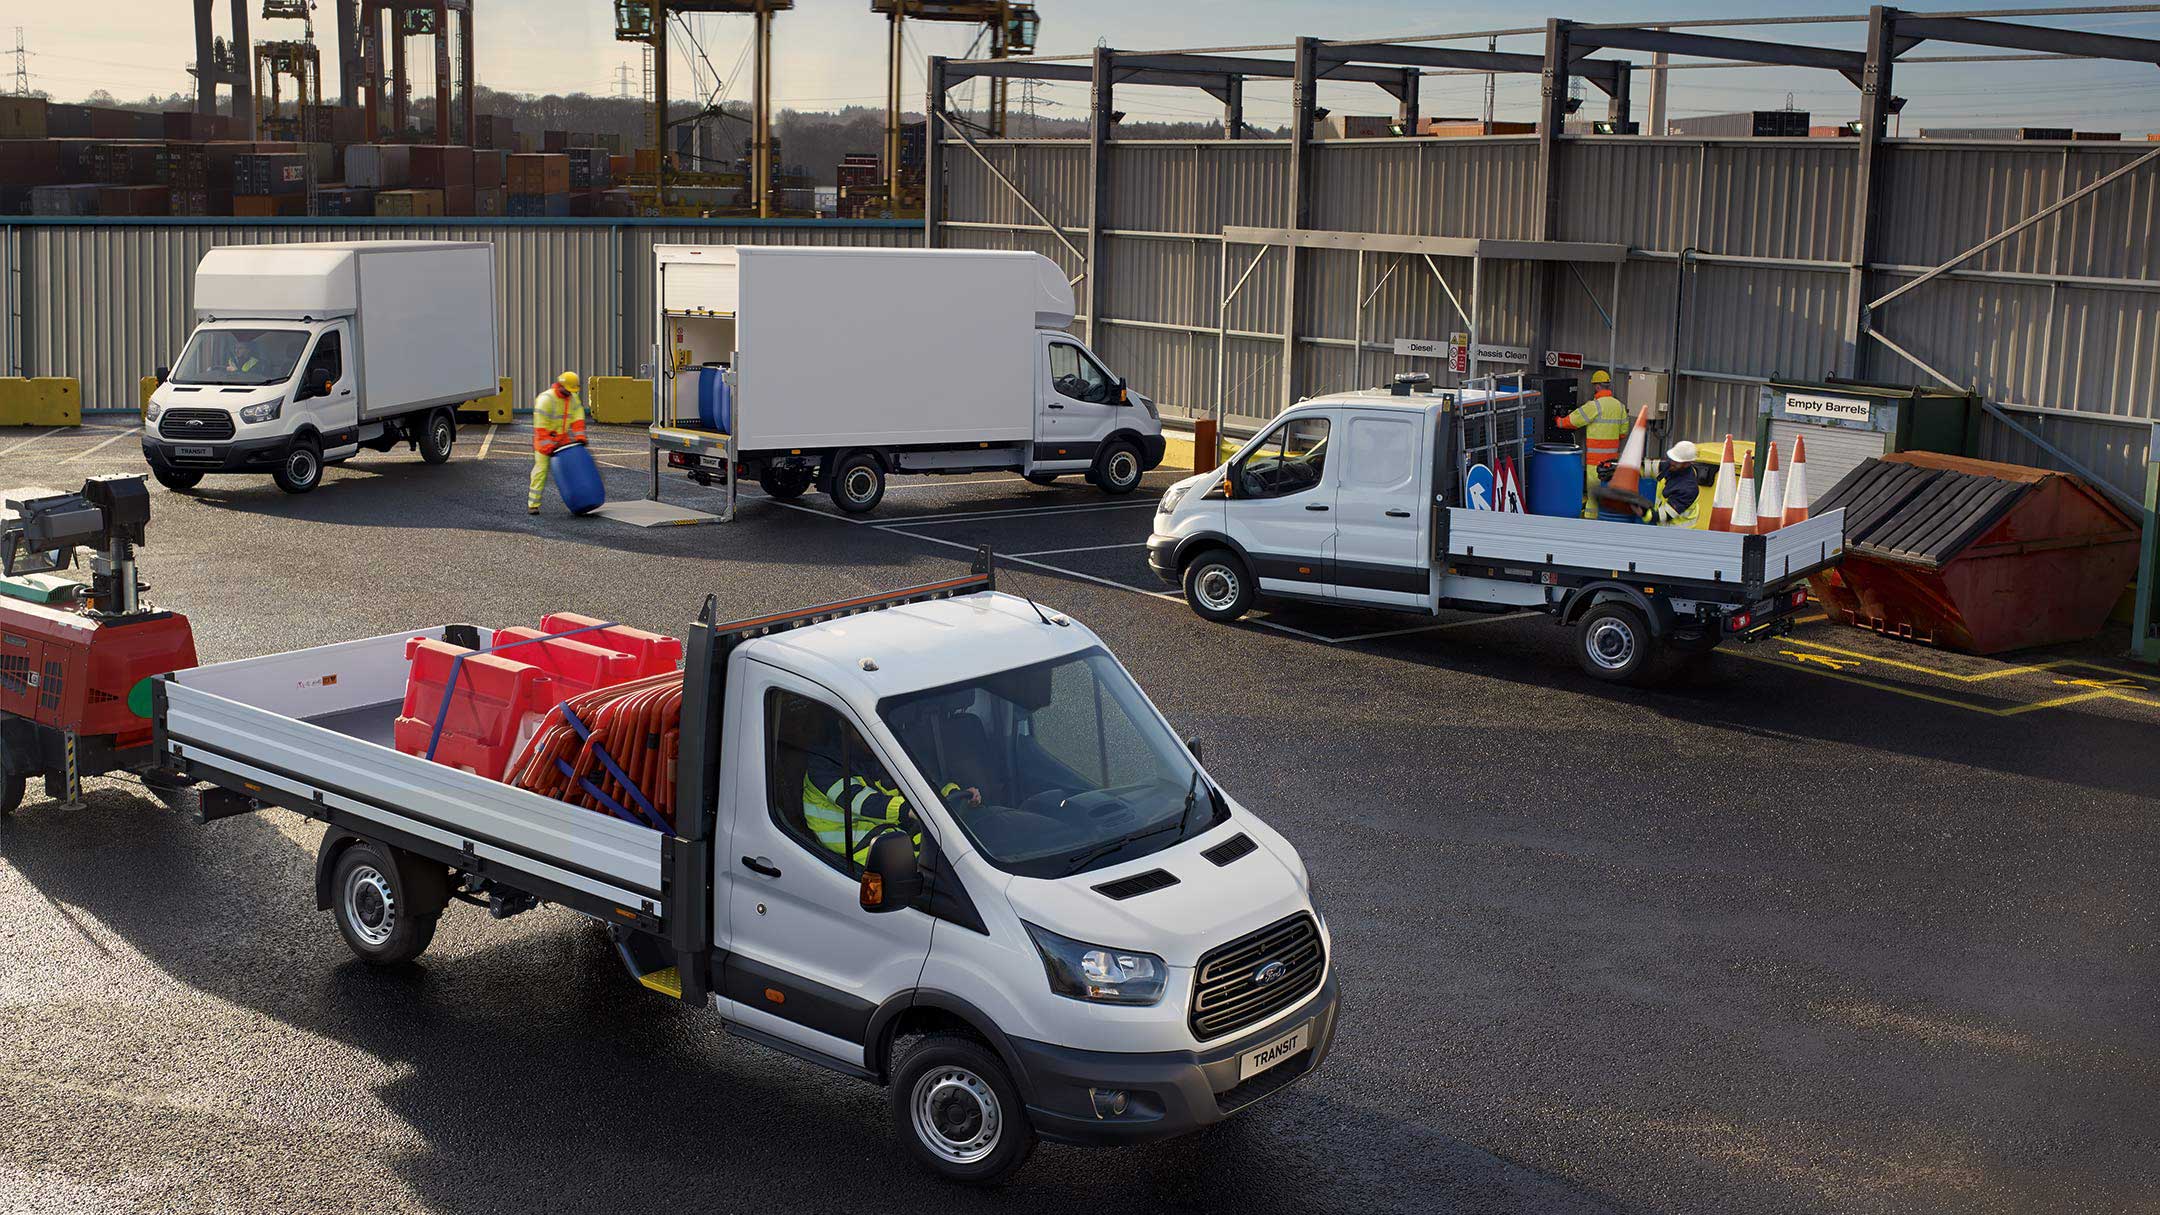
column 1832, row 451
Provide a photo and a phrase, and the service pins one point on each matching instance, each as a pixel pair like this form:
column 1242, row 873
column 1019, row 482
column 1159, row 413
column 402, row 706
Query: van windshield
column 252, row 357
column 1056, row 768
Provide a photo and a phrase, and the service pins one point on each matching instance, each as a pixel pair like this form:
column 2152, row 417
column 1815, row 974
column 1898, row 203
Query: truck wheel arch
column 1654, row 608
column 1199, row 542
column 923, row 1011
column 421, row 874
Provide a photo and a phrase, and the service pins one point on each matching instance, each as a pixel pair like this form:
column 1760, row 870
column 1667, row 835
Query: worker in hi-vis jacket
column 1603, row 421
column 1679, row 500
column 558, row 418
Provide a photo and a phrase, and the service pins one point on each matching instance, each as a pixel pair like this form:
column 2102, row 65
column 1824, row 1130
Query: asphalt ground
column 1837, row 923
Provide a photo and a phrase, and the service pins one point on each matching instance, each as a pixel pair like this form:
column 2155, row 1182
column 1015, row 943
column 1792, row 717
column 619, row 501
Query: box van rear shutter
column 699, row 287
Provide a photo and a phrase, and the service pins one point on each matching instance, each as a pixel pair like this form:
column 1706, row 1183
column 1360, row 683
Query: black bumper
column 1152, row 448
column 1168, row 1093
column 1162, row 557
column 251, row 455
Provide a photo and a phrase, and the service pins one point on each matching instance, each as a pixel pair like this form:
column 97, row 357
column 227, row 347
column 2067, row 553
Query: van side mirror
column 162, row 374
column 891, row 880
column 1193, row 745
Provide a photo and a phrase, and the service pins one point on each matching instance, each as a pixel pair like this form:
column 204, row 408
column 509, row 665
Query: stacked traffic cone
column 1743, row 510
column 1770, row 516
column 1625, row 488
column 1721, row 493
column 1796, row 495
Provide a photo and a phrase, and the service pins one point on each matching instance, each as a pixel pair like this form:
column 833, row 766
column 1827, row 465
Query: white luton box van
column 845, row 365
column 1067, row 930
column 1353, row 500
column 304, row 354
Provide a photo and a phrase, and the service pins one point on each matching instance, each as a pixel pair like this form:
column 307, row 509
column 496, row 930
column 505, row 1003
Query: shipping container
column 488, row 201
column 271, row 173
column 409, row 202
column 67, row 121
column 1764, row 124
column 458, row 200
column 539, row 173
column 135, row 200
column 264, row 206
column 537, row 206
column 1996, row 133
column 22, row 118
column 589, row 168
column 191, row 125
column 64, row 200
column 379, row 166
column 29, row 162
column 128, row 163
column 441, row 167
column 342, row 202
column 489, row 168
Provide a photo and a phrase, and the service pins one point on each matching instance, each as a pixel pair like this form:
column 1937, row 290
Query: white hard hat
column 1682, row 452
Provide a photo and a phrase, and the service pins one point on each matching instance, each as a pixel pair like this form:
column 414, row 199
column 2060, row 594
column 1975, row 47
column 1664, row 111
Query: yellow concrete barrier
column 43, row 401
column 497, row 408
column 147, row 385
column 618, row 399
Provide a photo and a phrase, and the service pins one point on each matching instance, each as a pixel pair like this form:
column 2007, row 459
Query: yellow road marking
column 1915, row 694
column 2064, row 664
column 1835, row 664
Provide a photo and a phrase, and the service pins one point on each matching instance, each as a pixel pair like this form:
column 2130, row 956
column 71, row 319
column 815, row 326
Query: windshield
column 251, row 357
column 1055, row 768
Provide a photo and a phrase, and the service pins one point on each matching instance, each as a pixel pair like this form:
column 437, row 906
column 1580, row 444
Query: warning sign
column 1459, row 354
column 1567, row 360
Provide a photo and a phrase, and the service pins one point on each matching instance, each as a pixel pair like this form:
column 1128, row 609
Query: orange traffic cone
column 1625, row 488
column 1770, row 515
column 1721, row 494
column 1796, row 495
column 1743, row 511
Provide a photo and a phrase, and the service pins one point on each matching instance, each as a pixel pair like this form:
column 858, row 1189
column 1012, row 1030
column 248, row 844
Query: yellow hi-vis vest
column 1604, row 422
column 851, row 805
column 557, row 421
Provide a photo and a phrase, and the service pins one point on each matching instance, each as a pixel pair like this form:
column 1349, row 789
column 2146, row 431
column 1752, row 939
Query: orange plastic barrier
column 611, row 750
column 494, row 698
column 656, row 653
column 577, row 664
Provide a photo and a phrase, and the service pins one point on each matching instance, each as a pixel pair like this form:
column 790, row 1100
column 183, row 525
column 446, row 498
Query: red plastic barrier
column 657, row 654
column 489, row 708
column 577, row 664
column 637, row 725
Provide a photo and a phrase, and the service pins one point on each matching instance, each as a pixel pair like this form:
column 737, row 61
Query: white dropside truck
column 1073, row 934
column 846, row 365
column 304, row 354
column 1350, row 499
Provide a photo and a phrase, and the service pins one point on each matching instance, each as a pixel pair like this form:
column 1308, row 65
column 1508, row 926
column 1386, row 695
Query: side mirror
column 162, row 374
column 327, row 386
column 1193, row 745
column 891, row 880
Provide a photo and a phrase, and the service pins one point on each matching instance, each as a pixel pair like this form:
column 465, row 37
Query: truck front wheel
column 1117, row 468
column 959, row 1111
column 858, row 484
column 1613, row 642
column 438, row 437
column 301, row 470
column 376, row 907
column 1218, row 586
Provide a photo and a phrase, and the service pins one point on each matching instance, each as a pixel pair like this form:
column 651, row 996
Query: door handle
column 1316, row 506
column 758, row 864
column 1055, row 405
column 1398, row 514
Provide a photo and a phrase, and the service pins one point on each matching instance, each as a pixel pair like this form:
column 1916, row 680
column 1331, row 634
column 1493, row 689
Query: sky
column 830, row 53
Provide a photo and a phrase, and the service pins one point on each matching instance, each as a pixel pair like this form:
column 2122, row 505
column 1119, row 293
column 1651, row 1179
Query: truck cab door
column 1282, row 505
column 804, row 962
column 1380, row 522
column 325, row 395
column 1076, row 406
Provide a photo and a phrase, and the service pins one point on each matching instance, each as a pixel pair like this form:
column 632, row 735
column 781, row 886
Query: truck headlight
column 1171, row 497
column 151, row 412
column 265, row 412
column 1081, row 971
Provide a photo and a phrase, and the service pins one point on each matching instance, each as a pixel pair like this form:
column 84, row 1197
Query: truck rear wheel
column 1613, row 642
column 1117, row 468
column 11, row 793
column 379, row 912
column 301, row 469
column 959, row 1111
column 858, row 484
column 438, row 437
column 1218, row 586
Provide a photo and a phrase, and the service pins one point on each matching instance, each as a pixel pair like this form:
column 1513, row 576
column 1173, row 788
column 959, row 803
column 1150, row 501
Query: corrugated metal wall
column 108, row 301
column 2061, row 324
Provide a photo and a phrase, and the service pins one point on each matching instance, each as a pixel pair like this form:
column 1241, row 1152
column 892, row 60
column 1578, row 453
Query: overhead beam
column 1601, row 71
column 1279, row 69
column 1710, row 46
column 1969, row 32
column 957, row 70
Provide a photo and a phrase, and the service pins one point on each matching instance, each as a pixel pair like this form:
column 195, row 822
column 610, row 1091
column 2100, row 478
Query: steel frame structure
column 408, row 19
column 761, row 110
column 1396, row 65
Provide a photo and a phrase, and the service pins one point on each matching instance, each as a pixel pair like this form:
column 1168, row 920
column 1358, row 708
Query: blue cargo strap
column 457, row 668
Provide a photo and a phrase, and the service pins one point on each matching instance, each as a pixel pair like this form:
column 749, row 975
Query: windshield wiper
column 1081, row 860
column 1192, row 790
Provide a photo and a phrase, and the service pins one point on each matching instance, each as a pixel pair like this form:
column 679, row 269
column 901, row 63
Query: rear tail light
column 1740, row 621
column 1799, row 597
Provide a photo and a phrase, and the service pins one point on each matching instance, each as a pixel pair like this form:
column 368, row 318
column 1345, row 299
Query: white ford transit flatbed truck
column 1072, row 933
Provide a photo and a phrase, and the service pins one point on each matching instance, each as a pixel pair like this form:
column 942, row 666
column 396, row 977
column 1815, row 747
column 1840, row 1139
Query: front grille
column 189, row 424
column 1227, row 992
column 1137, row 884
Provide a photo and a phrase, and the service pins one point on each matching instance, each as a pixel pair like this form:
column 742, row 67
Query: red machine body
column 71, row 671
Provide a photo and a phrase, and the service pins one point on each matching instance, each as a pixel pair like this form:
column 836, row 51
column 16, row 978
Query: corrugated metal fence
column 2059, row 325
column 107, row 301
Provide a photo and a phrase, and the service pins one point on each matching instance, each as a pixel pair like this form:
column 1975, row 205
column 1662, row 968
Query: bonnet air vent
column 1137, row 884
column 1230, row 849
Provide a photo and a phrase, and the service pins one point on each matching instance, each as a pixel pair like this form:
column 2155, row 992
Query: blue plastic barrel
column 715, row 406
column 577, row 479
column 1556, row 480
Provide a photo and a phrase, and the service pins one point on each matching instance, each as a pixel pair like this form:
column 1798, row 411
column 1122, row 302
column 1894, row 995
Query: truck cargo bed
column 1702, row 559
column 310, row 730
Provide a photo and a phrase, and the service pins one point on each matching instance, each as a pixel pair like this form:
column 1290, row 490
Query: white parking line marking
column 1092, row 548
column 32, row 439
column 84, row 455
column 1032, row 512
column 1433, row 628
column 488, row 440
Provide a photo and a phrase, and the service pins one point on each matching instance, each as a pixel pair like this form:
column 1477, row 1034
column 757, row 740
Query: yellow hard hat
column 1599, row 376
column 569, row 380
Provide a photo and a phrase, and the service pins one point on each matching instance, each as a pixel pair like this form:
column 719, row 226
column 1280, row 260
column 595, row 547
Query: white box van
column 304, row 354
column 845, row 365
